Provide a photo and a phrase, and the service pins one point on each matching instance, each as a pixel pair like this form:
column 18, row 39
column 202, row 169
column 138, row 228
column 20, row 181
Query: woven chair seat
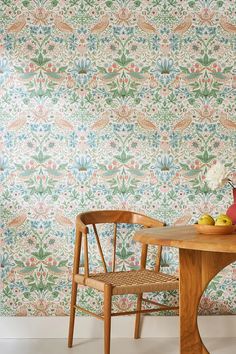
column 131, row 282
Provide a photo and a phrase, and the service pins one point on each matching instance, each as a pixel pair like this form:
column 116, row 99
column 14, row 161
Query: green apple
column 206, row 220
column 223, row 220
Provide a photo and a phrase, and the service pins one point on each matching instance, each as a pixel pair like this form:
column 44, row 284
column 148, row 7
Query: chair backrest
column 110, row 217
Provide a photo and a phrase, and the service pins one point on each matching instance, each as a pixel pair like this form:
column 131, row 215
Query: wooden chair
column 116, row 283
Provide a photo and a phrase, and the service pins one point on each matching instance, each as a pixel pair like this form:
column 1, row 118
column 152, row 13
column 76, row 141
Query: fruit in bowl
column 223, row 225
column 206, row 219
column 223, row 220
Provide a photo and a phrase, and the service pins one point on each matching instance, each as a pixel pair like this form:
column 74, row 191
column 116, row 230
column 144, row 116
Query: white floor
column 119, row 346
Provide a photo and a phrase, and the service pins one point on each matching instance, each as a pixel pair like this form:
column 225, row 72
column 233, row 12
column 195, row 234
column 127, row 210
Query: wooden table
column 201, row 257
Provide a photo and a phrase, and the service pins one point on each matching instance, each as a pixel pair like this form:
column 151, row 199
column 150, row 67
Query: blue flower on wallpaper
column 123, row 128
column 155, row 42
column 40, row 128
column 41, row 224
column 82, row 168
column 165, row 70
column 92, row 42
column 8, row 236
column 165, row 168
column 72, row 42
column 39, row 30
column 175, row 42
column 72, row 139
column 206, row 30
column 154, row 139
column 92, row 139
column 5, row 70
column 82, row 71
column 175, row 140
column 8, row 42
column 121, row 30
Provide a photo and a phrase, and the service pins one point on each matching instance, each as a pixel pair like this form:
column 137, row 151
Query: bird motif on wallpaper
column 227, row 123
column 226, row 25
column 144, row 25
column 184, row 26
column 64, row 124
column 183, row 124
column 62, row 25
column 123, row 113
column 18, row 25
column 101, row 25
column 17, row 124
column 63, row 220
column 144, row 122
column 100, row 123
column 17, row 221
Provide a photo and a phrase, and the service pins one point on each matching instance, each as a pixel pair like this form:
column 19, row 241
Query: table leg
column 197, row 268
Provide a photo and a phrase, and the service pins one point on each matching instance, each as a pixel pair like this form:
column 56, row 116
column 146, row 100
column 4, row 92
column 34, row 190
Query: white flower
column 217, row 176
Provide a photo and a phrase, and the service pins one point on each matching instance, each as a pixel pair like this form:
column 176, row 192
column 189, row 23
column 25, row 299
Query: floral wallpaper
column 120, row 104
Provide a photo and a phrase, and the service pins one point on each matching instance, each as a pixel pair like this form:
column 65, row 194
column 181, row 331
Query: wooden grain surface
column 197, row 268
column 201, row 258
column 188, row 238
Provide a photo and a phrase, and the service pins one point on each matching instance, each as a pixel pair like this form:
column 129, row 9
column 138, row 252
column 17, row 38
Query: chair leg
column 138, row 317
column 107, row 318
column 72, row 313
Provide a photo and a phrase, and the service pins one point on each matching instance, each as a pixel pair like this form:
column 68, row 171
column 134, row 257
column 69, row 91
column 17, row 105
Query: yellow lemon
column 223, row 220
column 206, row 220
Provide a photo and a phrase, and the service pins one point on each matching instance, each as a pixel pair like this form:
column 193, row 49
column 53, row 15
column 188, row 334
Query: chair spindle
column 114, row 248
column 100, row 248
column 144, row 256
column 158, row 259
column 86, row 262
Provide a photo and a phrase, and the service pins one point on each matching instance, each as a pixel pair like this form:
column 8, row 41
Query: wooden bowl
column 215, row 229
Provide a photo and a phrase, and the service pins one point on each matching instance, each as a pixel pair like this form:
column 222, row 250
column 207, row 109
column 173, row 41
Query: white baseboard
column 122, row 327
